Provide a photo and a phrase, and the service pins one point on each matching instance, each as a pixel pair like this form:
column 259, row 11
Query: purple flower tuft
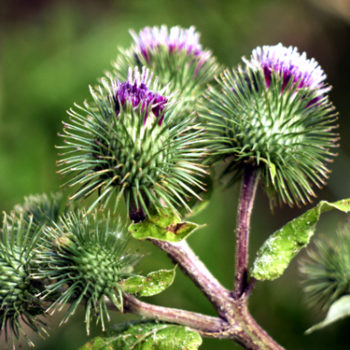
column 175, row 39
column 136, row 92
column 290, row 64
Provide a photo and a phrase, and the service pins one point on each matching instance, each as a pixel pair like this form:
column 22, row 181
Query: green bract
column 19, row 303
column 125, row 144
column 283, row 129
column 85, row 257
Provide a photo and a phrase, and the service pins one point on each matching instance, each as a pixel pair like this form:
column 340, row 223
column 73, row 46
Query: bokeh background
column 51, row 50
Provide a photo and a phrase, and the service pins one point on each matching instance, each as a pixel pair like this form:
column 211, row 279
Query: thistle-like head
column 326, row 269
column 85, row 255
column 19, row 303
column 274, row 114
column 128, row 143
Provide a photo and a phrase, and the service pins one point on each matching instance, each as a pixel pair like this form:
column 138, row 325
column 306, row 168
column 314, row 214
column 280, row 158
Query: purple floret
column 136, row 92
column 291, row 65
column 176, row 39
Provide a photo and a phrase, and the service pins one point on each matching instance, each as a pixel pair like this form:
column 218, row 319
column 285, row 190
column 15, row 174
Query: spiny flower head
column 273, row 114
column 124, row 145
column 326, row 269
column 177, row 58
column 84, row 258
column 19, row 303
column 136, row 92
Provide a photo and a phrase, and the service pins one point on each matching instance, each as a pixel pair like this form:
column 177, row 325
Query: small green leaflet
column 164, row 226
column 282, row 246
column 148, row 336
column 152, row 284
column 338, row 310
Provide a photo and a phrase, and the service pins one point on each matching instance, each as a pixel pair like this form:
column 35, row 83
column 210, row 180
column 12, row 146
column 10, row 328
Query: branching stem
column 207, row 326
column 244, row 330
column 182, row 254
column 234, row 321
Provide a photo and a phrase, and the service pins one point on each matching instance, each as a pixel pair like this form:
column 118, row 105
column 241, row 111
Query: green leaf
column 148, row 336
column 281, row 247
column 338, row 310
column 97, row 343
column 164, row 226
column 152, row 284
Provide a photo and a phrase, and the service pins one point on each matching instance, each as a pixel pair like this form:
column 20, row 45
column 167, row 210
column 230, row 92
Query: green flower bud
column 326, row 269
column 126, row 144
column 83, row 257
column 273, row 114
column 19, row 303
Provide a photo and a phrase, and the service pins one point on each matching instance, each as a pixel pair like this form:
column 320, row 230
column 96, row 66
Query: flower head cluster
column 144, row 154
column 136, row 92
column 265, row 115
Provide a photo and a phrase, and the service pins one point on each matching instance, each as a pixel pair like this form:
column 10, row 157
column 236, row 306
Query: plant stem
column 136, row 213
column 235, row 321
column 244, row 330
column 182, row 254
column 245, row 208
column 252, row 336
column 207, row 326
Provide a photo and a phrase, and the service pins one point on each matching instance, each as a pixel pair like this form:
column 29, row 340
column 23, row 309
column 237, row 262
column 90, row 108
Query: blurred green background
column 51, row 50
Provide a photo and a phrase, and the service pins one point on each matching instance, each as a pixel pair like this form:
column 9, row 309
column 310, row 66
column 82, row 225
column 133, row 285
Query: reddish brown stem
column 245, row 208
column 239, row 326
column 207, row 326
column 182, row 254
column 235, row 321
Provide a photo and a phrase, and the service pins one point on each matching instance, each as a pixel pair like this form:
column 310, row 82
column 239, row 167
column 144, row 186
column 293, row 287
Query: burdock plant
column 141, row 148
